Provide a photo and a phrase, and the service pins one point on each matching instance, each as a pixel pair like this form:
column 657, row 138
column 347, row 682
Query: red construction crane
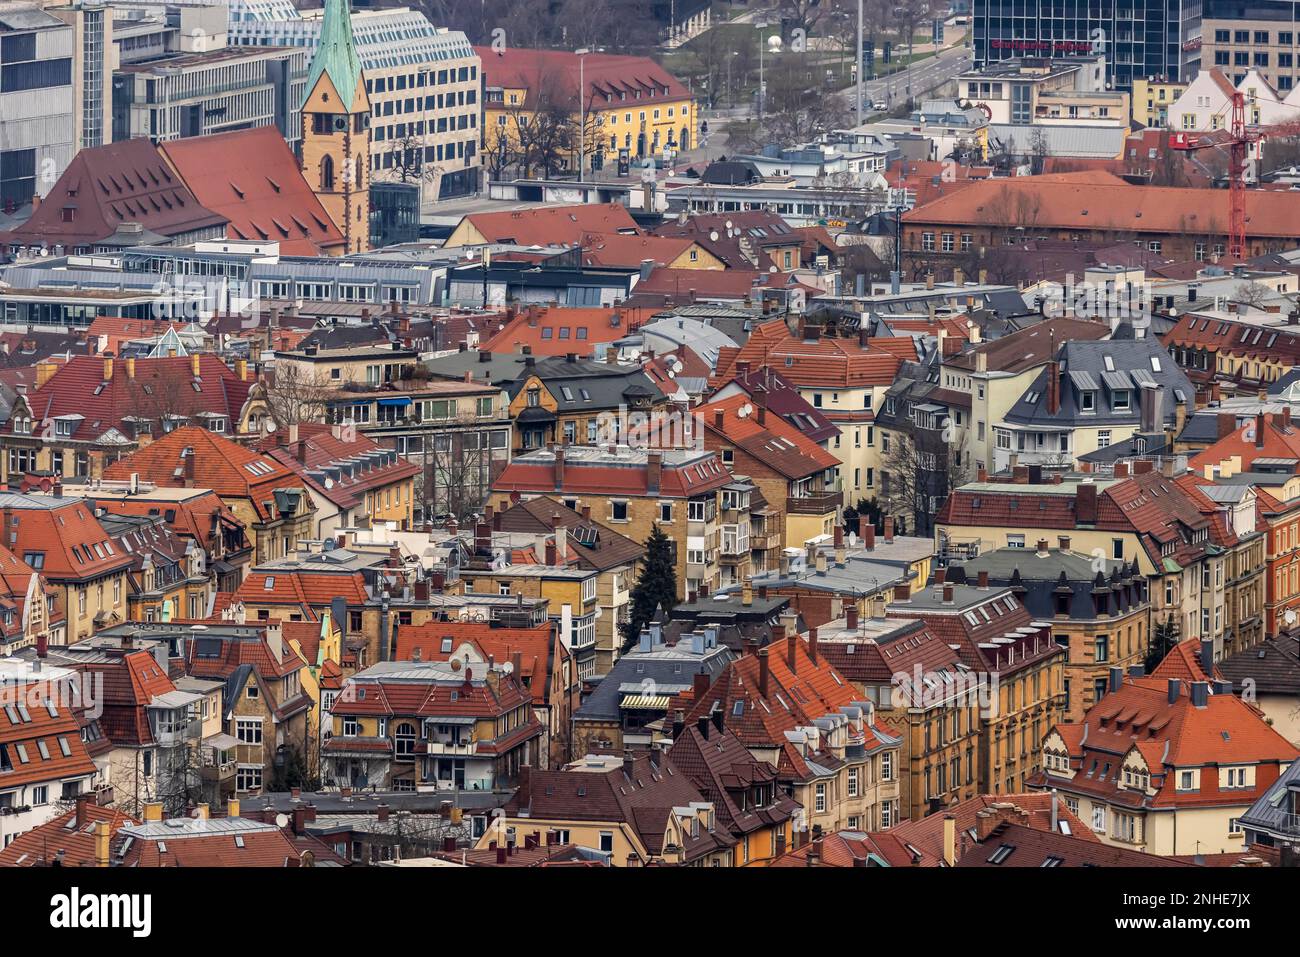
column 1241, row 138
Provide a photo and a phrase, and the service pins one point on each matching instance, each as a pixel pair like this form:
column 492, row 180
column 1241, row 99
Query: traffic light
column 869, row 56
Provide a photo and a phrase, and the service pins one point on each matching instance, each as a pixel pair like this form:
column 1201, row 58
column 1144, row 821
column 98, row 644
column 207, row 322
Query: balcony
column 815, row 503
column 458, row 748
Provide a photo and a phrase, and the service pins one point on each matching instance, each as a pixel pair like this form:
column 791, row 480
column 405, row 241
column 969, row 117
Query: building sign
column 1045, row 47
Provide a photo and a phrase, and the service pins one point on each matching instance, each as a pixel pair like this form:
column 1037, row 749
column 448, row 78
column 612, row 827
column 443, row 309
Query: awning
column 399, row 400
column 221, row 742
column 646, row 702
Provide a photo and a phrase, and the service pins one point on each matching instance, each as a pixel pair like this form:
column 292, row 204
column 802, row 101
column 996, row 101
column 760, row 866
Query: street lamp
column 424, row 74
column 776, row 46
column 582, row 112
column 859, row 69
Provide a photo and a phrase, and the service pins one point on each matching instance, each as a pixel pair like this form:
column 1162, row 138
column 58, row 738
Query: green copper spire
column 336, row 55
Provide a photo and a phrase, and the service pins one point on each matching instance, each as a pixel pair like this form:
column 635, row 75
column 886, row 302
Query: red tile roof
column 36, row 723
column 537, row 474
column 320, row 445
column 68, row 838
column 108, row 186
column 72, row 543
column 559, row 331
column 252, row 179
column 159, row 387
column 773, row 442
column 227, row 468
column 557, row 73
column 826, row 362
column 617, row 249
column 1170, row 736
column 552, row 225
column 1096, row 201
column 534, row 646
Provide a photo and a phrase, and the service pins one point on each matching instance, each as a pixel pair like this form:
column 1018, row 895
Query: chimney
column 1116, row 678
column 1053, row 387
column 108, row 368
column 1085, row 504
column 1259, row 430
column 763, row 672
column 194, row 364
column 950, row 840
column 1121, row 470
column 791, row 656
column 232, row 808
column 850, row 614
column 747, row 592
column 130, row 366
column 559, row 469
column 153, row 811
column 1200, row 694
column 889, row 529
column 719, row 419
column 654, row 462
column 101, row 844
column 812, row 645
column 901, row 593
column 1175, row 689
column 947, row 594
column 983, row 578
column 1064, row 542
column 381, row 813
column 867, row 532
column 1207, row 657
column 1042, row 548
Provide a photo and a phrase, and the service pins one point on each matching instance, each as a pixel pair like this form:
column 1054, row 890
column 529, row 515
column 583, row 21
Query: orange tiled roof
column 227, row 468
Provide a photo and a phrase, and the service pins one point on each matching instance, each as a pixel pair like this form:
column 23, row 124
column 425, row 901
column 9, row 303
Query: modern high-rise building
column 55, row 93
column 1259, row 35
column 1139, row 38
column 423, row 82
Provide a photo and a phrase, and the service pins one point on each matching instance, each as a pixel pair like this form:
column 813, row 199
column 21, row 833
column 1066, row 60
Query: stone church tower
column 336, row 128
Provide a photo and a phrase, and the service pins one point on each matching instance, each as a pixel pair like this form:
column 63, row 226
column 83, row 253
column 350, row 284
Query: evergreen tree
column 1163, row 639
column 656, row 585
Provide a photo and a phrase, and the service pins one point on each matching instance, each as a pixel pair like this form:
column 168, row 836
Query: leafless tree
column 458, row 466
column 294, row 396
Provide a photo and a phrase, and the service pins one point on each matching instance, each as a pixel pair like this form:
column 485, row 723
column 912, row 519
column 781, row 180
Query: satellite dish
column 713, row 236
column 282, row 820
column 1290, row 616
column 728, row 226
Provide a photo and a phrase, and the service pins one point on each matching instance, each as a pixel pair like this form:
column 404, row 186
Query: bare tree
column 295, row 396
column 457, row 466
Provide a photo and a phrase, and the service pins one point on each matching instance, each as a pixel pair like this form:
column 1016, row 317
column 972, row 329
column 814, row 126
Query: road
column 915, row 81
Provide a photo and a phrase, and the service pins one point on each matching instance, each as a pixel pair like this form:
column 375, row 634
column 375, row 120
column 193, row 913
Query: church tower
column 336, row 128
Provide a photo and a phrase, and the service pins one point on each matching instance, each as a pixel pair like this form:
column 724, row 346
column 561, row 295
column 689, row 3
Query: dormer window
column 1120, row 400
column 1088, row 401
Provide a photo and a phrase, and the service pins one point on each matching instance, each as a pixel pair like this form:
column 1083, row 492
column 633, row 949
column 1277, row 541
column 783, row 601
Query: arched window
column 327, row 172
column 404, row 739
column 360, row 181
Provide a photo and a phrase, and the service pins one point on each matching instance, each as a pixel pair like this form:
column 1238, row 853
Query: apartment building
column 1145, row 518
column 1164, row 764
column 424, row 725
column 790, row 707
column 423, row 83
column 268, row 498
column 1100, row 616
column 682, row 491
column 1239, row 37
column 456, row 433
column 43, row 759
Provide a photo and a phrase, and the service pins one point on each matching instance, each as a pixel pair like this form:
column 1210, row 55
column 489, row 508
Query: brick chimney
column 764, row 672
column 654, row 464
column 995, row 815
column 1053, row 388
column 889, row 529
column 559, row 469
column 1085, row 503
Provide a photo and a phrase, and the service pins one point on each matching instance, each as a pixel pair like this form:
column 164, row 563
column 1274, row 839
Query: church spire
column 336, row 53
